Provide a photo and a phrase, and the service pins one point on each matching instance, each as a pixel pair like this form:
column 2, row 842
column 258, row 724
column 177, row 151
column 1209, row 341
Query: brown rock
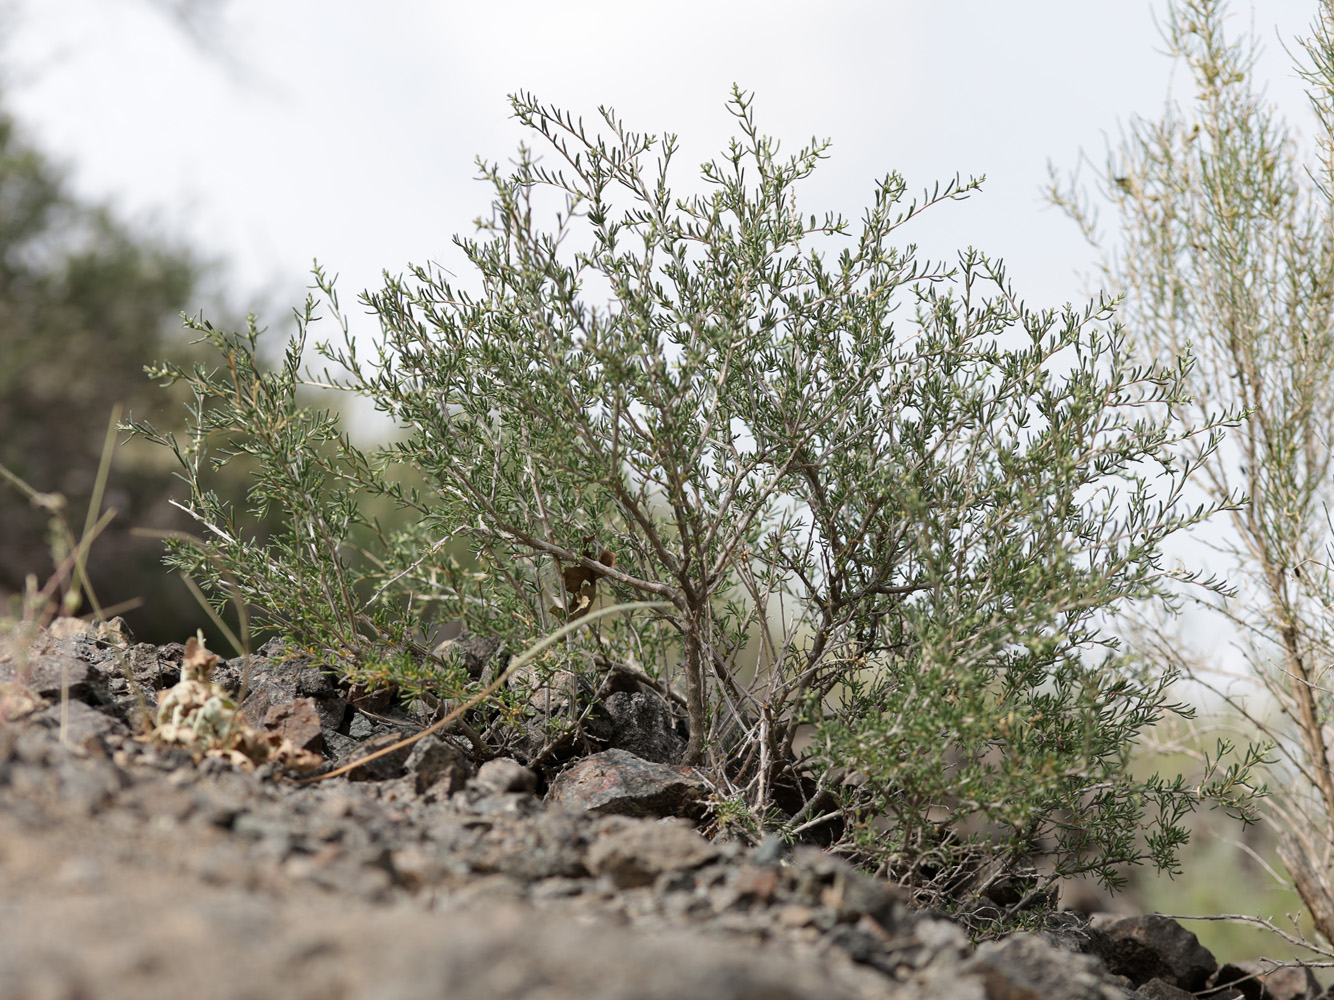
column 17, row 701
column 69, row 628
column 796, row 915
column 298, row 721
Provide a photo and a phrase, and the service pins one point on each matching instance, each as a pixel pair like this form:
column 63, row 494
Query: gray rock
column 1157, row 989
column 438, row 765
column 850, row 894
column 1156, row 947
column 85, row 726
column 1245, row 983
column 476, row 653
column 503, row 954
column 392, row 765
column 642, row 723
column 547, row 845
column 1283, row 982
column 637, row 852
column 47, row 671
column 940, row 940
column 362, row 727
column 1027, row 967
column 618, row 782
column 502, row 775
column 146, row 664
column 273, row 683
column 168, row 869
column 1072, row 931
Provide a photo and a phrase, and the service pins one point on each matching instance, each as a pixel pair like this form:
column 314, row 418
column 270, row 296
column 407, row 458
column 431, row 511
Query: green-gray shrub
column 886, row 500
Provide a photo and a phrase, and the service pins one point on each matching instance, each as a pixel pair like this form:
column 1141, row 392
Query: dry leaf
column 199, row 662
column 581, row 582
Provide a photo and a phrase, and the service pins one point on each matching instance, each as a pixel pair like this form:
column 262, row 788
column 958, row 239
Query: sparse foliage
column 1223, row 243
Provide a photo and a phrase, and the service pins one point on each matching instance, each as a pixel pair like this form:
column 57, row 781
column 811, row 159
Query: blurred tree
column 84, row 302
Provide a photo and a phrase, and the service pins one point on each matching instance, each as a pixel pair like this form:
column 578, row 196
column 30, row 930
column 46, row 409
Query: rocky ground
column 130, row 869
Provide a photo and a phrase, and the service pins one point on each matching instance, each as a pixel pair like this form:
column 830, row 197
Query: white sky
column 346, row 131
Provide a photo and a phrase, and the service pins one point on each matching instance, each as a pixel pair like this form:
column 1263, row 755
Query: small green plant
column 885, row 504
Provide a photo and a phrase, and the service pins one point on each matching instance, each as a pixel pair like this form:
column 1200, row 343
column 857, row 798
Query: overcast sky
column 347, row 131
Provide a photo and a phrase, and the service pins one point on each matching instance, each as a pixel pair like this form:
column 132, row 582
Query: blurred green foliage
column 85, row 300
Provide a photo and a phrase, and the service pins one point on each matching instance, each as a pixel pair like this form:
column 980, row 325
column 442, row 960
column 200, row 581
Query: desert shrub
column 1220, row 237
column 887, row 504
